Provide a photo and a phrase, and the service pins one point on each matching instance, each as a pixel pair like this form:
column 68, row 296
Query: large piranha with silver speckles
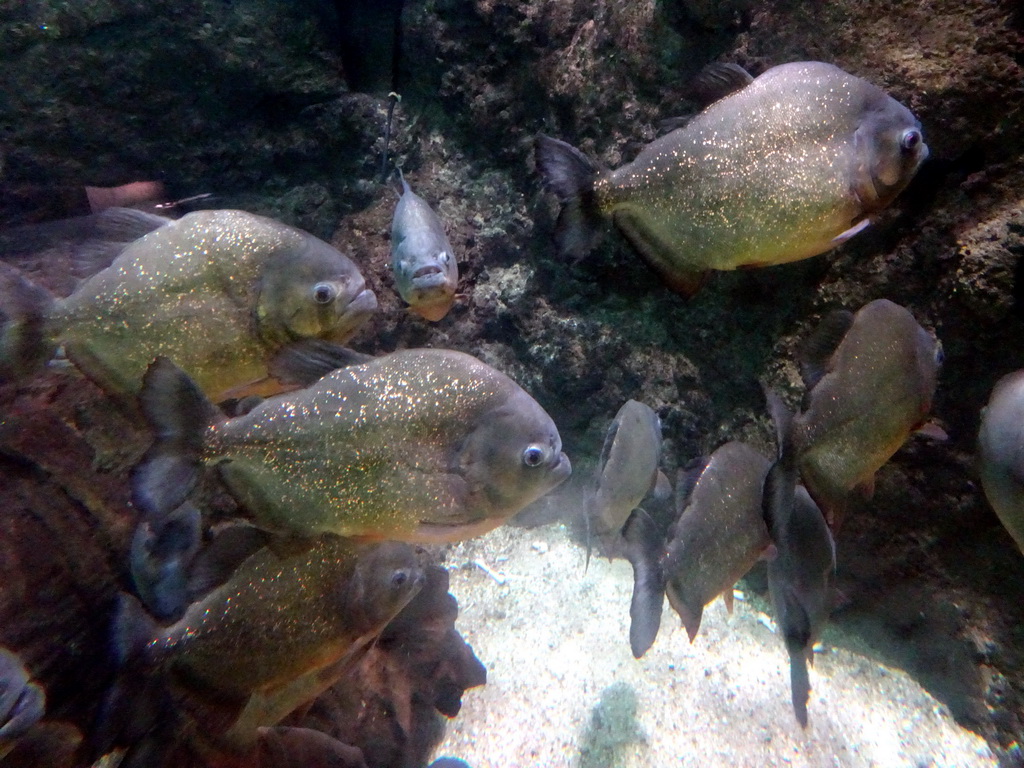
column 783, row 167
column 220, row 292
column 417, row 445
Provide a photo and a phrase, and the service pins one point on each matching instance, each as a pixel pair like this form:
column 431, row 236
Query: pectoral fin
column 306, row 362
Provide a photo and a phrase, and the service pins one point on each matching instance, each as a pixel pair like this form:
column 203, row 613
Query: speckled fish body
column 1001, row 453
column 780, row 170
column 219, row 292
column 279, row 617
column 876, row 390
column 720, row 533
column 422, row 258
column 420, row 445
column 629, row 466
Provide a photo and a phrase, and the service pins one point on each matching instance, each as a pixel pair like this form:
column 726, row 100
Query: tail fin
column 24, row 308
column 800, row 683
column 133, row 704
column 162, row 551
column 643, row 549
column 22, row 702
column 179, row 413
column 570, row 175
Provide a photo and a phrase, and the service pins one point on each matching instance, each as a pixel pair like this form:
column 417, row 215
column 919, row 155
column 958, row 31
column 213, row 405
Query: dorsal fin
column 819, row 347
column 230, row 545
column 716, row 81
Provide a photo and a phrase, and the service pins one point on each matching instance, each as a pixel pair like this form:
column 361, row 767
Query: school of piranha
column 236, row 642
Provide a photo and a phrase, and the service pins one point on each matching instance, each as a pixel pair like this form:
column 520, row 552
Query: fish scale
column 220, row 292
column 419, row 445
column 782, row 169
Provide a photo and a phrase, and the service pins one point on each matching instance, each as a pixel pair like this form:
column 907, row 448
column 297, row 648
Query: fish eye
column 533, row 456
column 324, row 293
column 398, row 578
column 445, row 256
column 911, row 138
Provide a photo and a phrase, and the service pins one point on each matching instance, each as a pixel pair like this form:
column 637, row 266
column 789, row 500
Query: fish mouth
column 431, row 281
column 430, row 269
column 360, row 307
column 560, row 468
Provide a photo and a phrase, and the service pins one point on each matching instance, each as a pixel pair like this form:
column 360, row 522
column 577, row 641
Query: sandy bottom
column 563, row 688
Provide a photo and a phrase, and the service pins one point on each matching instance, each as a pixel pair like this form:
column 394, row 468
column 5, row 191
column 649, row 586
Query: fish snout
column 560, row 466
column 362, row 304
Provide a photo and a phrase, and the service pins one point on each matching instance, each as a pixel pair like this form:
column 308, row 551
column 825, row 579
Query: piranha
column 422, row 258
column 802, row 562
column 221, row 292
column 787, row 166
column 279, row 616
column 717, row 537
column 628, row 467
column 418, row 445
column 870, row 381
column 1001, row 453
column 280, row 630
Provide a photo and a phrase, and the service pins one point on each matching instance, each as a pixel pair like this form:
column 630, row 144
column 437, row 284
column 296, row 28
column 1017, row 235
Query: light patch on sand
column 563, row 688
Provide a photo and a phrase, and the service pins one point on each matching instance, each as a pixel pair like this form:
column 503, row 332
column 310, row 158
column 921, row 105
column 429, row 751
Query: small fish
column 717, row 537
column 419, row 445
column 628, row 467
column 422, row 259
column 782, row 169
column 802, row 562
column 870, row 379
column 1001, row 453
column 220, row 291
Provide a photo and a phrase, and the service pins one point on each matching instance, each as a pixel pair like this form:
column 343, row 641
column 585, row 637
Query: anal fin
column 659, row 256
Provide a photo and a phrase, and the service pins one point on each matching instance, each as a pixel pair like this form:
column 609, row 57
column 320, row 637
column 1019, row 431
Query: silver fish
column 1001, row 453
column 785, row 168
column 871, row 378
column 802, row 562
column 718, row 535
column 628, row 468
column 422, row 258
